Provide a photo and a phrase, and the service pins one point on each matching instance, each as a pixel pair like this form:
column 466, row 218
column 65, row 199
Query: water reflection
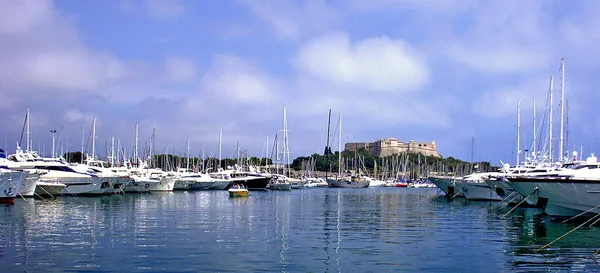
column 332, row 230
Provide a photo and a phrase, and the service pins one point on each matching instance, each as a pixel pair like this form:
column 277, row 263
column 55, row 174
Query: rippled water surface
column 311, row 230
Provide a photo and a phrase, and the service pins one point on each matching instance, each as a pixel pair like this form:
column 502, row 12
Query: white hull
column 10, row 184
column 48, row 189
column 166, row 183
column 335, row 183
column 139, row 185
column 443, row 183
column 561, row 197
column 79, row 185
column 281, row 186
column 28, row 189
column 374, row 183
column 477, row 191
column 203, row 185
column 219, row 185
column 183, row 184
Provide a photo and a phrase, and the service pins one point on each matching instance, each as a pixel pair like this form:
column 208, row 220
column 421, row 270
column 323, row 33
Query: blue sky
column 429, row 70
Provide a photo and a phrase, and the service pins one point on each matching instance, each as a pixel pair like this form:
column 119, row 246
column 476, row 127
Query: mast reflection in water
column 310, row 230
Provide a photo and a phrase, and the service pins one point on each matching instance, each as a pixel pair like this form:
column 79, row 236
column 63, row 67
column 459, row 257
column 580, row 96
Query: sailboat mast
column 340, row 148
column 534, row 133
column 27, row 147
column 562, row 109
column 286, row 148
column 135, row 149
column 327, row 148
column 82, row 141
column 220, row 143
column 188, row 153
column 112, row 151
column 518, row 132
column 550, row 117
column 93, row 137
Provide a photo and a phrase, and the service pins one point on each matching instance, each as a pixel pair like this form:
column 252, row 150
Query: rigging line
column 569, row 232
column 522, row 201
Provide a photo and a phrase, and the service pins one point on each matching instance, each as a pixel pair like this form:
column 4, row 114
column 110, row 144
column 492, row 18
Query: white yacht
column 57, row 171
column 280, row 182
column 566, row 192
column 221, row 181
column 10, row 184
column 151, row 180
column 473, row 187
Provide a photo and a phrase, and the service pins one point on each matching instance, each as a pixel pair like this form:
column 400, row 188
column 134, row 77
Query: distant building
column 391, row 146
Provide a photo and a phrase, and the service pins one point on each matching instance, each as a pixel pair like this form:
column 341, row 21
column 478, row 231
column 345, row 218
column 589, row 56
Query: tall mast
column 82, row 142
column 93, row 137
column 518, row 132
column 340, row 148
column 562, row 109
column 534, row 133
column 27, row 147
column 327, row 148
column 188, row 153
column 112, row 151
column 135, row 149
column 286, row 148
column 220, row 142
column 550, row 117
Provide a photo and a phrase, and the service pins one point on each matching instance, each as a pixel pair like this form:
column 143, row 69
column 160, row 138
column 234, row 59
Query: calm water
column 311, row 230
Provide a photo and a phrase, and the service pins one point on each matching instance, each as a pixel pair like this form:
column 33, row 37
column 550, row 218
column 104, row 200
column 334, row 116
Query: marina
column 309, row 230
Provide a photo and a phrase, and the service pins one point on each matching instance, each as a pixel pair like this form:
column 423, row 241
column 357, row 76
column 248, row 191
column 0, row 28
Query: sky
column 449, row 71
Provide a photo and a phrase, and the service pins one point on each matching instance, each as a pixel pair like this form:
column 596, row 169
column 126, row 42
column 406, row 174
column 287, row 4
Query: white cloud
column 178, row 69
column 375, row 64
column 234, row 80
column 289, row 18
column 21, row 16
column 502, row 102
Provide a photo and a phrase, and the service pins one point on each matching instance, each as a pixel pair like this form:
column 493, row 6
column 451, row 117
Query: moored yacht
column 351, row 180
column 10, row 184
column 473, row 187
column 566, row 192
column 57, row 171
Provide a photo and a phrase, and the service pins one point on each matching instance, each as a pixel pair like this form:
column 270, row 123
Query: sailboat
column 282, row 181
column 350, row 180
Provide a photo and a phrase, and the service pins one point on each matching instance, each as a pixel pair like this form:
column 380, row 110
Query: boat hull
column 10, row 185
column 561, row 197
column 442, row 183
column 183, row 184
column 28, row 189
column 477, row 191
column 335, row 183
column 238, row 193
column 281, row 186
column 219, row 185
column 252, row 183
column 43, row 189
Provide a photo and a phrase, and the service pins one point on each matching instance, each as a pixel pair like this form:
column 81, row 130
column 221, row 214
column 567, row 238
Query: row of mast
column 550, row 120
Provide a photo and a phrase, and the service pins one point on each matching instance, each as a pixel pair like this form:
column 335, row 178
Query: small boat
column 238, row 191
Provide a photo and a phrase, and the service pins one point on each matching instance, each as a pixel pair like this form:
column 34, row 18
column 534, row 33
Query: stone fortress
column 391, row 146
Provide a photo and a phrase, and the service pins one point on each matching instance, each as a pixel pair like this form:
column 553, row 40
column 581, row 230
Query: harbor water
column 309, row 230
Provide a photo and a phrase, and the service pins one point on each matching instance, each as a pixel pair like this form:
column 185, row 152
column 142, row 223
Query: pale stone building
column 391, row 146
